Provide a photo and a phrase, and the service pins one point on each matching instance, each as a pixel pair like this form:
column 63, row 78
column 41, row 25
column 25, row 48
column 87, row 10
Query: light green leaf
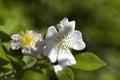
column 27, row 59
column 12, row 26
column 88, row 61
column 65, row 74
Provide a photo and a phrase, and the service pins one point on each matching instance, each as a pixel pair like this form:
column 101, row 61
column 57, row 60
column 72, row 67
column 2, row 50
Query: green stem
column 30, row 65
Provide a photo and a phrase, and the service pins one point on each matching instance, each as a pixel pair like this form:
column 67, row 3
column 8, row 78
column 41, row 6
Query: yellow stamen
column 64, row 41
column 26, row 39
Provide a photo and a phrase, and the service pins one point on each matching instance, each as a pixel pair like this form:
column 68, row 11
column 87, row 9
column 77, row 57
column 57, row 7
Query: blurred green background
column 98, row 20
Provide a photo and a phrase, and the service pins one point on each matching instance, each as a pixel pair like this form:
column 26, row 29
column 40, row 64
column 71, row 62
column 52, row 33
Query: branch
column 7, row 73
column 27, row 66
column 13, row 71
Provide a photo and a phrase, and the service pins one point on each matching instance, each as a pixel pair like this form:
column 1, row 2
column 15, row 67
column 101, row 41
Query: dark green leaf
column 65, row 74
column 4, row 59
column 4, row 37
column 43, row 74
column 88, row 61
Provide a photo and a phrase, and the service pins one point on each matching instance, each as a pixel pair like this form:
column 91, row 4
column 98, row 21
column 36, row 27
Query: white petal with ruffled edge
column 50, row 49
column 65, row 57
column 15, row 46
column 78, row 43
column 51, row 33
column 51, row 53
column 66, row 27
column 57, row 68
column 15, row 37
column 26, row 50
column 40, row 45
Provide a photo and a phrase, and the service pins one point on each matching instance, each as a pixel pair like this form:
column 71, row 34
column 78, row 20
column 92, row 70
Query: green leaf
column 41, row 74
column 27, row 59
column 65, row 74
column 13, row 26
column 4, row 37
column 88, row 61
column 3, row 58
column 10, row 26
column 5, row 63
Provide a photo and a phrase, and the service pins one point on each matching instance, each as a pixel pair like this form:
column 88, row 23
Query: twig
column 7, row 73
column 27, row 66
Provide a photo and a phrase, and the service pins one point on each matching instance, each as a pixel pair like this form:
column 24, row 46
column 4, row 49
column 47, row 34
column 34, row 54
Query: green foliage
column 65, row 74
column 4, row 37
column 88, row 61
column 43, row 74
column 4, row 61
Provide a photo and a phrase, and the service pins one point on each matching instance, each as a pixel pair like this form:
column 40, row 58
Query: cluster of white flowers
column 56, row 44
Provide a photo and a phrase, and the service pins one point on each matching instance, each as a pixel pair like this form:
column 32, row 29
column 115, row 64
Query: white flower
column 57, row 68
column 28, row 41
column 59, row 41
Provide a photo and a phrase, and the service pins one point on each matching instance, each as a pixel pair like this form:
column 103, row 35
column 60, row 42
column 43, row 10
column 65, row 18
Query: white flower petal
column 31, row 51
column 50, row 50
column 29, row 31
column 51, row 53
column 51, row 33
column 57, row 68
column 15, row 37
column 65, row 58
column 78, row 43
column 15, row 46
column 26, row 51
column 38, row 37
column 40, row 46
column 34, row 48
column 66, row 27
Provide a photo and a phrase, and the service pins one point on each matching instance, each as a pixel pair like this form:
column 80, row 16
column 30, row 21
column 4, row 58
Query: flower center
column 27, row 39
column 64, row 42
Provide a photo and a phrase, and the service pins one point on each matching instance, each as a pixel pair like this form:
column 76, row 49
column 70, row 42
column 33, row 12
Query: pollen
column 27, row 39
